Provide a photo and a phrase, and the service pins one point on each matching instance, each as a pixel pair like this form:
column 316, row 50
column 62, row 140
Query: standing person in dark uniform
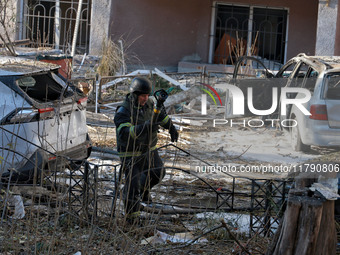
column 136, row 144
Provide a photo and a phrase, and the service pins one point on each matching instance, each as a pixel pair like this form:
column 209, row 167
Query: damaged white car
column 43, row 120
column 319, row 76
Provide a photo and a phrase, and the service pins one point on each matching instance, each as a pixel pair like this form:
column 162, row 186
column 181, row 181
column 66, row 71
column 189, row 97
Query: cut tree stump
column 308, row 227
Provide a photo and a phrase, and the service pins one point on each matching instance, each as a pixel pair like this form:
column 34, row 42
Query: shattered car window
column 305, row 77
column 43, row 88
column 26, row 82
column 332, row 86
column 286, row 71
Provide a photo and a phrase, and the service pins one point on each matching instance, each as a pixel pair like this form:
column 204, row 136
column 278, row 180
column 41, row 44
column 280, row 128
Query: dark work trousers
column 141, row 174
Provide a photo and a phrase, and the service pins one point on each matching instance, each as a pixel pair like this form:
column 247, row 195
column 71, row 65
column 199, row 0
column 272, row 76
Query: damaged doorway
column 51, row 23
column 249, row 30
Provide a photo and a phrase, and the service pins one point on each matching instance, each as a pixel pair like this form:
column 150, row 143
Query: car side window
column 332, row 86
column 286, row 71
column 305, row 77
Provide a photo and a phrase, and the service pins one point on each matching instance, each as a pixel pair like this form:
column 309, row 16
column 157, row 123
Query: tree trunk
column 308, row 226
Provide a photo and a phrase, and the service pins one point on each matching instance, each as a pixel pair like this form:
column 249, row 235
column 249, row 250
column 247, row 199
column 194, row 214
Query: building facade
column 166, row 33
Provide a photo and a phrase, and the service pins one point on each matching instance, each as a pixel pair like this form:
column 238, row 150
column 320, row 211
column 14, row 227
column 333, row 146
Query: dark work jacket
column 132, row 137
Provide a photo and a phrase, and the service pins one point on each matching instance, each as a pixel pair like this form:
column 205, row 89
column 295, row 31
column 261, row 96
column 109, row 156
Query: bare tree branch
column 7, row 25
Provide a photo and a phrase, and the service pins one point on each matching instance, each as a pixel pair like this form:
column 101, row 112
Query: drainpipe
column 21, row 18
column 212, row 33
column 250, row 30
column 57, row 24
column 76, row 28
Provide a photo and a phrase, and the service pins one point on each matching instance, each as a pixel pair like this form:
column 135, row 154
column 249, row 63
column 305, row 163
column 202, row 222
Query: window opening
column 332, row 86
column 42, row 88
column 248, row 30
column 51, row 23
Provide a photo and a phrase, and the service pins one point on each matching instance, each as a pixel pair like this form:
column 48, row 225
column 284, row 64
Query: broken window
column 255, row 31
column 304, row 77
column 286, row 72
column 51, row 23
column 43, row 88
column 332, row 86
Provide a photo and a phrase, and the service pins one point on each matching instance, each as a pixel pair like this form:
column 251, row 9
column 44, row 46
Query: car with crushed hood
column 43, row 120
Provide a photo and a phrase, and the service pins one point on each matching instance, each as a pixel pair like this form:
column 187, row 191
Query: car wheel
column 296, row 142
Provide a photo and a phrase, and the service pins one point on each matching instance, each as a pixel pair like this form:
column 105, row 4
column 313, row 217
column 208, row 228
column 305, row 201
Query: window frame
column 250, row 26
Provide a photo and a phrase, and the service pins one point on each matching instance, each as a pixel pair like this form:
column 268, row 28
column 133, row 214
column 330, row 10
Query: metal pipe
column 76, row 28
column 96, row 89
column 57, row 25
column 250, row 30
column 212, row 33
column 21, row 18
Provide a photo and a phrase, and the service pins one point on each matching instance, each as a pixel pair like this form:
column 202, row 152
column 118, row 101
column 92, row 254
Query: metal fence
column 51, row 23
column 252, row 31
column 262, row 199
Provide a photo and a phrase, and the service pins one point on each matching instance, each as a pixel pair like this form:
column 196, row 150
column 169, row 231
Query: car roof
column 21, row 66
column 330, row 62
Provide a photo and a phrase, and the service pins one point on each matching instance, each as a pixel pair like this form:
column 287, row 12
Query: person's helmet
column 140, row 86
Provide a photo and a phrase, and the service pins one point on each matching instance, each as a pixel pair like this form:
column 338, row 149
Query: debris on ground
column 193, row 209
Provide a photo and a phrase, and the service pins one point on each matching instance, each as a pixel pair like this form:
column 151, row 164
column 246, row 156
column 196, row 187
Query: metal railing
column 50, row 23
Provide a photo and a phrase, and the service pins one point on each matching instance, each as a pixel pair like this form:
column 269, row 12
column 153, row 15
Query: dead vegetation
column 115, row 57
column 57, row 231
column 7, row 26
column 54, row 225
column 112, row 58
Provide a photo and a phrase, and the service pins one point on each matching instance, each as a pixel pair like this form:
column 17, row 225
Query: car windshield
column 44, row 87
column 332, row 86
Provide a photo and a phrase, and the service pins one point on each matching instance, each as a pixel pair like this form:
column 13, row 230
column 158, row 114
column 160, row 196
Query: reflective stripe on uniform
column 126, row 124
column 132, row 132
column 165, row 120
column 129, row 154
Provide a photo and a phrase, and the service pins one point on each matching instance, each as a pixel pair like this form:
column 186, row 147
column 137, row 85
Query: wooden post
column 308, row 226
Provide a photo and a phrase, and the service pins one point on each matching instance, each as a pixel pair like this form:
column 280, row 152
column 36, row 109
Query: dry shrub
column 112, row 58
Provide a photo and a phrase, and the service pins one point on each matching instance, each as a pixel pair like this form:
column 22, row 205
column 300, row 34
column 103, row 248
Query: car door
column 303, row 76
column 14, row 149
column 257, row 84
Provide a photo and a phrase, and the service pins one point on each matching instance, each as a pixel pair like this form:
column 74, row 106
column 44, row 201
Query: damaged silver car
column 319, row 76
column 43, row 120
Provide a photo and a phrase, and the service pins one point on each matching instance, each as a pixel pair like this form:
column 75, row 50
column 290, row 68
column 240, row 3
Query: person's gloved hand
column 173, row 133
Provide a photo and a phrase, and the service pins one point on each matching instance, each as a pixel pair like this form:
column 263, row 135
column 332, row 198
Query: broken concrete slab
column 325, row 191
column 184, row 96
column 188, row 121
column 98, row 119
column 169, row 79
column 129, row 75
column 145, row 72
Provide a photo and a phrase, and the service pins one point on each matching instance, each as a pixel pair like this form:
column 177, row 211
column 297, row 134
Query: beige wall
column 100, row 14
column 10, row 20
column 326, row 28
column 165, row 31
